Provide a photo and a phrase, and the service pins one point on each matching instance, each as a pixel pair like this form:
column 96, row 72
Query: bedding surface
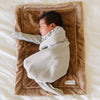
column 26, row 21
column 8, row 50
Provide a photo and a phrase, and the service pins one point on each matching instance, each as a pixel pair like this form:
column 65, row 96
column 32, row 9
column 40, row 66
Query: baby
column 52, row 61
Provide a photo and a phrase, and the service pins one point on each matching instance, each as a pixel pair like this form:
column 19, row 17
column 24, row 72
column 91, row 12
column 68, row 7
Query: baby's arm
column 27, row 37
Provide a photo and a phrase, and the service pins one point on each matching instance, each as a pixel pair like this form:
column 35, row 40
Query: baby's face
column 44, row 28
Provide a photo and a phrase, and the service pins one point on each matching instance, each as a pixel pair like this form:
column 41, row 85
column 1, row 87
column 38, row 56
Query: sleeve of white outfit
column 27, row 37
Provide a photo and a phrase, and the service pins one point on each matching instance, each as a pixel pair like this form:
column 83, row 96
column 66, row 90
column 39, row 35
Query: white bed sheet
column 8, row 50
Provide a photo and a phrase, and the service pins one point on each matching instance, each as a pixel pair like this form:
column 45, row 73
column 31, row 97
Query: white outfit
column 51, row 62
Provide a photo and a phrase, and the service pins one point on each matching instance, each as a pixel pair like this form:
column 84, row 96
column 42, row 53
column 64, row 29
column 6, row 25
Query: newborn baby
column 52, row 61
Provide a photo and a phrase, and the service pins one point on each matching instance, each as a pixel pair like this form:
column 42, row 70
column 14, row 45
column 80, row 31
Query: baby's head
column 48, row 21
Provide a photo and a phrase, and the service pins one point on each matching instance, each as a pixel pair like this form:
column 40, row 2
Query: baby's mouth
column 40, row 33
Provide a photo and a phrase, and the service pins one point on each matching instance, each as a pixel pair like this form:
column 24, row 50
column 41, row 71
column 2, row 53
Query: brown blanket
column 26, row 21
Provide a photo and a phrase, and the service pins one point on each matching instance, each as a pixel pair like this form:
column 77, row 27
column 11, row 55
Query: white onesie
column 51, row 62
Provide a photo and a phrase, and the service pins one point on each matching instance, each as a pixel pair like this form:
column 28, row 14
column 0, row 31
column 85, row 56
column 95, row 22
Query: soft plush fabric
column 26, row 17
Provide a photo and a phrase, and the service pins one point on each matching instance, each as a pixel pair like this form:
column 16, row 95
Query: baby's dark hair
column 52, row 17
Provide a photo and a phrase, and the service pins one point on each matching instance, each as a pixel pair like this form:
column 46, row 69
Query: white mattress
column 8, row 50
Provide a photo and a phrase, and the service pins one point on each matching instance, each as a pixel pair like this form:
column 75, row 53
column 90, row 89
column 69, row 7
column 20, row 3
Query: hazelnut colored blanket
column 26, row 21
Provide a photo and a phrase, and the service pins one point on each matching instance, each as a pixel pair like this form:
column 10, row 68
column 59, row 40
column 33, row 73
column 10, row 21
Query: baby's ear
column 53, row 25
